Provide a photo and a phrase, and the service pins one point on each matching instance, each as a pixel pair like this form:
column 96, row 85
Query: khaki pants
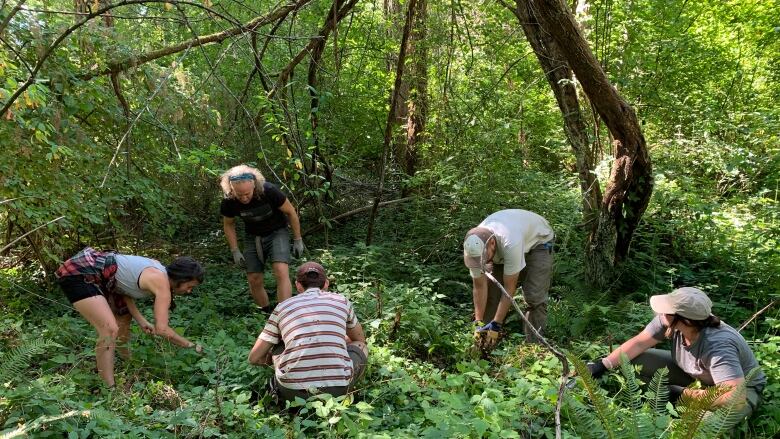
column 535, row 281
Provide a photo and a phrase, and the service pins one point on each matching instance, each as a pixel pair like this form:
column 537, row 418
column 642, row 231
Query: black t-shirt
column 261, row 216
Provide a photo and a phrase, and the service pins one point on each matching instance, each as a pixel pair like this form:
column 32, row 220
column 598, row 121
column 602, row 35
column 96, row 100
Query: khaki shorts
column 275, row 247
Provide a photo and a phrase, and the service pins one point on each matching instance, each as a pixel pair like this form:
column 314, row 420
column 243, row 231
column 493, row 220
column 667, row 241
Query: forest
column 645, row 132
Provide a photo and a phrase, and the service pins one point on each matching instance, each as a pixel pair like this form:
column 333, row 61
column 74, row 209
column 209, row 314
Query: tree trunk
column 630, row 183
column 417, row 104
column 393, row 13
column 561, row 81
column 394, row 97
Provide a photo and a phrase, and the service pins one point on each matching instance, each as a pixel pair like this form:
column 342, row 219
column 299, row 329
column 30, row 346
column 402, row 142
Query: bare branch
column 134, row 61
column 31, row 79
column 28, row 233
column 314, row 42
column 354, row 212
column 11, row 15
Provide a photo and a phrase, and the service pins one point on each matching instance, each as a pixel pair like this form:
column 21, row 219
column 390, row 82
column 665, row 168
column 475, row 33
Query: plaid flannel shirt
column 98, row 268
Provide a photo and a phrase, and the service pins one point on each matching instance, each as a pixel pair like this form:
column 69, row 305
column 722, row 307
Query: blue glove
column 492, row 326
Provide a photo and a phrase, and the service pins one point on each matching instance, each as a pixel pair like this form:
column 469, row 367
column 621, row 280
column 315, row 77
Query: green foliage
column 17, row 361
column 703, row 77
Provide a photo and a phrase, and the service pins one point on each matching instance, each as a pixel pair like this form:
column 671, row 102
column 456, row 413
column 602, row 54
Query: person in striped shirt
column 313, row 340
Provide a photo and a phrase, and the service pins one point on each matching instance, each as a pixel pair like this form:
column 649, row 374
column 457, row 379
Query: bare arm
column 510, row 284
column 157, row 283
column 229, row 226
column 356, row 333
column 632, row 348
column 292, row 216
column 479, row 290
column 142, row 322
column 724, row 399
column 261, row 352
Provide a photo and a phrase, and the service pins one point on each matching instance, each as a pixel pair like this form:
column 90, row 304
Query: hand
column 238, row 257
column 298, row 247
column 675, row 392
column 147, row 327
column 597, row 368
column 486, row 337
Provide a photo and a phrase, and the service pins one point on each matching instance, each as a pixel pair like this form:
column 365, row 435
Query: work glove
column 298, row 247
column 238, row 257
column 675, row 392
column 489, row 335
column 597, row 368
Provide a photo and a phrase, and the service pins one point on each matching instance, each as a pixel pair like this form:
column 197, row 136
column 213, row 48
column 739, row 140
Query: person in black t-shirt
column 265, row 211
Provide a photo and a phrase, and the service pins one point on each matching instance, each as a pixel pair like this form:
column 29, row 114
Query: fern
column 603, row 411
column 633, row 395
column 659, row 388
column 693, row 410
column 18, row 360
column 722, row 420
column 585, row 424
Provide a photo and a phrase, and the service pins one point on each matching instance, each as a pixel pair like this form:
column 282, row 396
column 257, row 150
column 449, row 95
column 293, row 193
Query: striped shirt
column 313, row 326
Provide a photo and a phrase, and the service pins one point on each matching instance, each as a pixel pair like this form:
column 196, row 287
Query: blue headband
column 241, row 177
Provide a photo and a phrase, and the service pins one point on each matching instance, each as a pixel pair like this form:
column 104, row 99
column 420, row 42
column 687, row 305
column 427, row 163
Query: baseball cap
column 474, row 246
column 688, row 302
column 311, row 271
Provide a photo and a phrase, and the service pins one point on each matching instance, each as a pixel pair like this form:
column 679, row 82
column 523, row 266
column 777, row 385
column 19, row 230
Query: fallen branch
column 354, row 212
column 545, row 343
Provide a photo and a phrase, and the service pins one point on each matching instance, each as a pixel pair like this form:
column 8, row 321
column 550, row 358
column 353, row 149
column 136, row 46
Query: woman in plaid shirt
column 103, row 287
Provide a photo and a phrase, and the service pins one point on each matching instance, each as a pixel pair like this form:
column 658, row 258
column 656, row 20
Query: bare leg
column 283, row 285
column 123, row 339
column 257, row 289
column 97, row 312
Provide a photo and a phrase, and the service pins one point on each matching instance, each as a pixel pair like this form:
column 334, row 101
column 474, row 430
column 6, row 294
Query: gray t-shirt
column 128, row 273
column 718, row 355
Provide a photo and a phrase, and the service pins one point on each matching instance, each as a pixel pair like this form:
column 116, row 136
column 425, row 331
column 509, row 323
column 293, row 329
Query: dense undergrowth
column 414, row 303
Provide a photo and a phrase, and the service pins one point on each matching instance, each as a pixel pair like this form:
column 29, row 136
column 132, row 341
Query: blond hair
column 237, row 171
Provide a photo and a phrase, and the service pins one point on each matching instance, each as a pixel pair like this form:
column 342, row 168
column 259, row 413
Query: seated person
column 703, row 348
column 317, row 342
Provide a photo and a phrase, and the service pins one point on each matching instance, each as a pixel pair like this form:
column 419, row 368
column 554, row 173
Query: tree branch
column 10, row 15
column 31, row 79
column 355, row 212
column 313, row 43
column 134, row 61
column 564, row 361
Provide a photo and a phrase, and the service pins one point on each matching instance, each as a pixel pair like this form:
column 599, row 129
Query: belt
column 545, row 245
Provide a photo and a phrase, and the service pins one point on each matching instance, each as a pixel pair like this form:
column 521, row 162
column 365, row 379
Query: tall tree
column 562, row 49
column 395, row 95
column 417, row 102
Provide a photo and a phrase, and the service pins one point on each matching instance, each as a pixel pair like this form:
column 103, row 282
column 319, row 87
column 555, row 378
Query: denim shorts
column 275, row 247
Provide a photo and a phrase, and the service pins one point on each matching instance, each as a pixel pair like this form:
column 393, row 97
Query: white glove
column 238, row 257
column 298, row 247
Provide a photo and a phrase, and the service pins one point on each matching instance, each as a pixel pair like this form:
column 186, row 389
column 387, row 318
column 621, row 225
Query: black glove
column 597, row 368
column 675, row 392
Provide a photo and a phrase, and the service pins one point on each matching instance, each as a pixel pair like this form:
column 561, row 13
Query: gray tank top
column 128, row 273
